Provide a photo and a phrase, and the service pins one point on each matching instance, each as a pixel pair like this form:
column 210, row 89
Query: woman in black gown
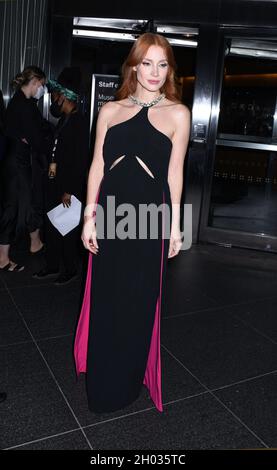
column 26, row 136
column 140, row 146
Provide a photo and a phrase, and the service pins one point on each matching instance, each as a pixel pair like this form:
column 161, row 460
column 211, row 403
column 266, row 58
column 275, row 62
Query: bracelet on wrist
column 90, row 216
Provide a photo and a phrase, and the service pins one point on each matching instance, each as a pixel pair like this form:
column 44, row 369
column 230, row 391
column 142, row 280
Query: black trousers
column 21, row 208
column 17, row 213
column 62, row 252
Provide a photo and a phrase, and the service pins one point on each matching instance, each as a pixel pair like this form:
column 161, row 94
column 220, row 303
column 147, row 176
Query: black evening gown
column 117, row 341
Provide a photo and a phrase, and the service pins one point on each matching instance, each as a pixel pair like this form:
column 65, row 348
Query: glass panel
column 248, row 99
column 244, row 191
column 244, row 186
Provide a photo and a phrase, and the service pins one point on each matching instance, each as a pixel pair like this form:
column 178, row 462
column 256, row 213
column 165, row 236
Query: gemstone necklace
column 150, row 103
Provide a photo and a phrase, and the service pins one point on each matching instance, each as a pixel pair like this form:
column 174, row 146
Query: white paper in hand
column 66, row 219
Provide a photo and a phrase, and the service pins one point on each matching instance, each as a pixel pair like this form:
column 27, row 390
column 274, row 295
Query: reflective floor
column 219, row 361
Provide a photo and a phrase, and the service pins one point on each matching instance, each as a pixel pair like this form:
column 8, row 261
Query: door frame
column 208, row 234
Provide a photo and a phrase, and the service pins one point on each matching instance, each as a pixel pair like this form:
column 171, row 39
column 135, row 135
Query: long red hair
column 171, row 88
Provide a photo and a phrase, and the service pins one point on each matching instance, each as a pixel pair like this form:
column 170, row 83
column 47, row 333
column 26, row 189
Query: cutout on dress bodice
column 116, row 161
column 145, row 167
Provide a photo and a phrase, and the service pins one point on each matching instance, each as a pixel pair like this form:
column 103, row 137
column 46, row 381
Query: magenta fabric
column 81, row 338
column 153, row 378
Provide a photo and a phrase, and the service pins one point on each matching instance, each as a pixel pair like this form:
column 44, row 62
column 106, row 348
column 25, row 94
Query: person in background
column 40, row 170
column 3, row 395
column 2, row 137
column 25, row 136
column 67, row 174
column 2, row 146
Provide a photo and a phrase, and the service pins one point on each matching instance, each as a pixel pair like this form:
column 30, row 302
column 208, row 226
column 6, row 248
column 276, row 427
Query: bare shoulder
column 106, row 109
column 116, row 104
column 110, row 108
column 180, row 112
column 181, row 118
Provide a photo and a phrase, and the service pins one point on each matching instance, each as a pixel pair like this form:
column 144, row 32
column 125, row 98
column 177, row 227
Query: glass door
column 240, row 207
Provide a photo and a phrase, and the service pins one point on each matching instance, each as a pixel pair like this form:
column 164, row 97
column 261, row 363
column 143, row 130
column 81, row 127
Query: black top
column 2, row 138
column 2, row 111
column 24, row 120
column 71, row 156
column 138, row 137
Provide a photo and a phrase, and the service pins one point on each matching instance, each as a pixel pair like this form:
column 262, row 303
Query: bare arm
column 175, row 170
column 94, row 179
column 97, row 166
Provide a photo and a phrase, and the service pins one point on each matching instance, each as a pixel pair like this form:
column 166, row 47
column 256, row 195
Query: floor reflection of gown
column 118, row 335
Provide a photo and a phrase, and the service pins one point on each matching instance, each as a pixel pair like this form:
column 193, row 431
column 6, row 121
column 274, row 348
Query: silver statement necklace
column 150, row 103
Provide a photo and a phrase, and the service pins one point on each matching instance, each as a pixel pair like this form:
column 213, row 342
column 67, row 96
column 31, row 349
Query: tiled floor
column 219, row 361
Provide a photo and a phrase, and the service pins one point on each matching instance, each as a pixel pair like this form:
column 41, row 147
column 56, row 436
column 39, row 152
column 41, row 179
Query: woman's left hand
column 175, row 243
column 66, row 200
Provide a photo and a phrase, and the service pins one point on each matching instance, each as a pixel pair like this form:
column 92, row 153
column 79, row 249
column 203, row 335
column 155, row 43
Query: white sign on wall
column 103, row 89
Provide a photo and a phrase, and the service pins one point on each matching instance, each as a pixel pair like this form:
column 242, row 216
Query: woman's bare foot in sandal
column 11, row 266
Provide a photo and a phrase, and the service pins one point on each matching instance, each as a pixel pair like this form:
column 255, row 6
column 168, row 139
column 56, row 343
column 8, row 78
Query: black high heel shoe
column 3, row 397
column 40, row 251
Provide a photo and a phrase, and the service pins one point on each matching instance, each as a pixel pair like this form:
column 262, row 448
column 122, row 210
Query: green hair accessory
column 53, row 85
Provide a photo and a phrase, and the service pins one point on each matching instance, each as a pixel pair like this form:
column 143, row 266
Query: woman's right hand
column 89, row 235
